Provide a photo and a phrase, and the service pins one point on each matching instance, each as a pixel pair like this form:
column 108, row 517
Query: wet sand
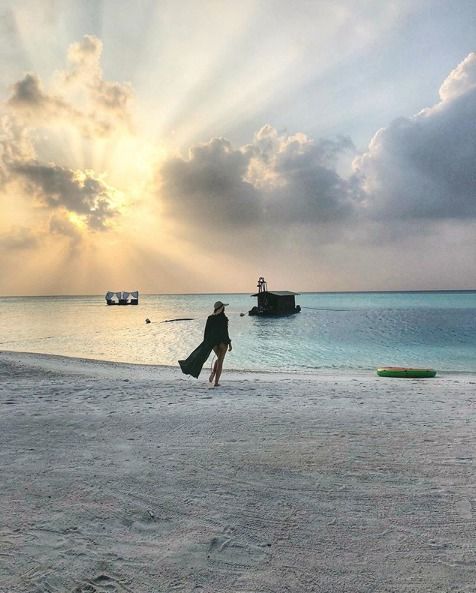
column 134, row 478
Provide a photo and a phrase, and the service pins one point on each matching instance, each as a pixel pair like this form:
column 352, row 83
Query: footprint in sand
column 463, row 508
column 103, row 583
column 226, row 550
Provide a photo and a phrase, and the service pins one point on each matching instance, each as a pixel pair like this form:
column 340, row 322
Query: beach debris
column 179, row 319
column 147, row 320
column 242, row 314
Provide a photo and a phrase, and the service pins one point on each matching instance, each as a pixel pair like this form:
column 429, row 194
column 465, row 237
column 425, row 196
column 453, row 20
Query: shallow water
column 333, row 331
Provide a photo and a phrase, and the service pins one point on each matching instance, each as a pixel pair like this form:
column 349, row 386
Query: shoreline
column 37, row 357
column 135, row 478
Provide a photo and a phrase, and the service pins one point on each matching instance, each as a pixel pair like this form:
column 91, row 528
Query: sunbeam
column 233, row 137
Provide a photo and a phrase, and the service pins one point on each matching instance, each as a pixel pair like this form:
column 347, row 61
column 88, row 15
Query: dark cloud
column 79, row 192
column 304, row 185
column 421, row 169
column 277, row 179
column 27, row 93
column 425, row 166
column 18, row 239
column 210, row 186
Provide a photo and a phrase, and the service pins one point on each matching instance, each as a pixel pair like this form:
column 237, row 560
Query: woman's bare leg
column 222, row 348
column 216, row 349
column 213, row 373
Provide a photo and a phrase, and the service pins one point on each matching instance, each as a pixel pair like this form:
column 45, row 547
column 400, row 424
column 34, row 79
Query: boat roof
column 276, row 292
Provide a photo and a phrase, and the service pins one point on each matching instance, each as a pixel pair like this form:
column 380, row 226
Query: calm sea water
column 333, row 331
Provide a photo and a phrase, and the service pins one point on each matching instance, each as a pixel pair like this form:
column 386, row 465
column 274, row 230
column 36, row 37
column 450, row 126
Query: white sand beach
column 130, row 478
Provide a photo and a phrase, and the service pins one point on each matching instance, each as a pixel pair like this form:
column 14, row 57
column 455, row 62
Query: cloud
column 30, row 101
column 417, row 177
column 60, row 224
column 461, row 80
column 29, row 95
column 84, row 57
column 18, row 239
column 298, row 177
column 30, row 108
column 111, row 99
column 210, row 186
column 277, row 179
column 15, row 145
column 424, row 167
column 80, row 192
column 81, row 97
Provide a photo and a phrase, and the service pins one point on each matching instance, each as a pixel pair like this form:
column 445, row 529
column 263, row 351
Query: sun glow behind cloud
column 136, row 149
column 74, row 146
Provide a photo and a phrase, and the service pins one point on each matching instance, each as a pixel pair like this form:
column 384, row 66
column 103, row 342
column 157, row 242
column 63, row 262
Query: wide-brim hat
column 219, row 305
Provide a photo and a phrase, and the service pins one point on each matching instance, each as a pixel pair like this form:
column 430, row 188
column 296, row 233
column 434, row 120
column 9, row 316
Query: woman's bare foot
column 217, row 385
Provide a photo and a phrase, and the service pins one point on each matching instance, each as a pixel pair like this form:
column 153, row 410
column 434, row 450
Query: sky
column 186, row 147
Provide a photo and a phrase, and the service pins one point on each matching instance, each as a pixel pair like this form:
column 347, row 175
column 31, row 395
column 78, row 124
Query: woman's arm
column 227, row 340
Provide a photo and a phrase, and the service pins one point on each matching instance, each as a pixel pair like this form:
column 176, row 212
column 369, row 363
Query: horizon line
column 427, row 290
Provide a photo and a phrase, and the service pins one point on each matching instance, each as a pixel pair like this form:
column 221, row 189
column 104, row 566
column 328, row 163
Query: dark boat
column 274, row 303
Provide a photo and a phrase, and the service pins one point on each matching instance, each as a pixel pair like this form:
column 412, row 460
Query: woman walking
column 215, row 338
column 216, row 334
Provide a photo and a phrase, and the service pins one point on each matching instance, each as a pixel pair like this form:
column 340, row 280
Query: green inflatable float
column 405, row 372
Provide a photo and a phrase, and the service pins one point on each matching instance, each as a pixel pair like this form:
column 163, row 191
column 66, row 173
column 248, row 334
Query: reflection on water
column 343, row 330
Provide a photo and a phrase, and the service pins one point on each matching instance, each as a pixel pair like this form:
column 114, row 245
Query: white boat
column 122, row 298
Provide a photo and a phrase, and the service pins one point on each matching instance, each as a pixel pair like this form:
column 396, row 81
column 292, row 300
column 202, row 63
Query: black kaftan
column 216, row 332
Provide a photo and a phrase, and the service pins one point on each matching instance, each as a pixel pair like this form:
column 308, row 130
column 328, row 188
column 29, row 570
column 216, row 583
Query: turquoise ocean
column 334, row 331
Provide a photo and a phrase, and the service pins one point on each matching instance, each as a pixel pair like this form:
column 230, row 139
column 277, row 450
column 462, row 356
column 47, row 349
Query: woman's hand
column 230, row 347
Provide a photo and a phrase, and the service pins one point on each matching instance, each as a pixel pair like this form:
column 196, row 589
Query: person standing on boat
column 216, row 334
column 215, row 338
